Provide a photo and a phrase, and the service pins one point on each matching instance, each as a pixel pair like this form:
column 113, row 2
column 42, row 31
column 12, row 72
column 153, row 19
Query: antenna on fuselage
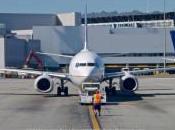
column 85, row 29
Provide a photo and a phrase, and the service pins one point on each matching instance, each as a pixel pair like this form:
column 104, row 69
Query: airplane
column 169, row 59
column 85, row 66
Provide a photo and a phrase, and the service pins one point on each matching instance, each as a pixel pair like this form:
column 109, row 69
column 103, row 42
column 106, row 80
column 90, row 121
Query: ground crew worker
column 96, row 100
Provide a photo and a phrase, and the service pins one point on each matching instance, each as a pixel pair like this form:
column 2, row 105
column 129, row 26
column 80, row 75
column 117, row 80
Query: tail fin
column 85, row 29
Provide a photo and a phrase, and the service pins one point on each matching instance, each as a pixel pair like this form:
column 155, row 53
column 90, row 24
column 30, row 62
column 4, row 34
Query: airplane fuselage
column 86, row 66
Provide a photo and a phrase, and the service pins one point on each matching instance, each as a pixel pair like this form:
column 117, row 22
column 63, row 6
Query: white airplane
column 169, row 59
column 84, row 66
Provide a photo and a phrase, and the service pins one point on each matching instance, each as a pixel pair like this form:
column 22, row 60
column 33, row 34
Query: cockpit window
column 90, row 64
column 84, row 64
column 80, row 64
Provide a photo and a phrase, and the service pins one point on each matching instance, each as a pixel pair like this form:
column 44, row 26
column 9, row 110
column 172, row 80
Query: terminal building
column 122, row 42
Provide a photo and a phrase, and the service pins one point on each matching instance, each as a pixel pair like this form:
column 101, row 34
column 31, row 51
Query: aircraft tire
column 66, row 91
column 59, row 91
column 107, row 90
column 113, row 90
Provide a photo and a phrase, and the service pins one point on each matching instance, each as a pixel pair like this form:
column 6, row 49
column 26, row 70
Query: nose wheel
column 61, row 90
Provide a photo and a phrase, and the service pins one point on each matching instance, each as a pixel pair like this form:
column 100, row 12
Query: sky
column 59, row 6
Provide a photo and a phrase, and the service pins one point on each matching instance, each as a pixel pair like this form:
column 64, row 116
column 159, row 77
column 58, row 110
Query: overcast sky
column 57, row 6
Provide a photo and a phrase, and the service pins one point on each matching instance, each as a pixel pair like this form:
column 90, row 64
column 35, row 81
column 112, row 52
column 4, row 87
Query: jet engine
column 44, row 84
column 128, row 83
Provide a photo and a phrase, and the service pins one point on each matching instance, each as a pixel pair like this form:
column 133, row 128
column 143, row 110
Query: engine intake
column 44, row 84
column 128, row 83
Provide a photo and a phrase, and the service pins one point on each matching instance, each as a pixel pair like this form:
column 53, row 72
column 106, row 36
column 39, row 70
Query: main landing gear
column 62, row 89
column 110, row 90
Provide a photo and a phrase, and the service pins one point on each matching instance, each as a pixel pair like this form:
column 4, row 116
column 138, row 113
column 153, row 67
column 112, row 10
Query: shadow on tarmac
column 127, row 97
column 38, row 94
column 27, row 94
column 121, row 97
column 55, row 95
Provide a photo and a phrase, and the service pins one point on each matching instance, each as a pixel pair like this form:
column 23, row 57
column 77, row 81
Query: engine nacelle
column 128, row 83
column 44, row 84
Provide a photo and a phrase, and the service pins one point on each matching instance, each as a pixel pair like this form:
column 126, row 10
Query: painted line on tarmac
column 94, row 119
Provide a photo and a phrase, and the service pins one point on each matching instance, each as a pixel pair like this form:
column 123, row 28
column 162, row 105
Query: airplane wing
column 52, row 54
column 113, row 75
column 134, row 72
column 34, row 72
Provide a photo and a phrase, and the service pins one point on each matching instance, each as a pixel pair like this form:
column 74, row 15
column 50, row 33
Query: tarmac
column 22, row 108
column 152, row 107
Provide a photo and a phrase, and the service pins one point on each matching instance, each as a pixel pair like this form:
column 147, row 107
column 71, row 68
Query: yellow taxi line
column 94, row 120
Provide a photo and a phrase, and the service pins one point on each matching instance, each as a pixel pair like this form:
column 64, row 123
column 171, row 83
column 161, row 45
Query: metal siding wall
column 15, row 52
column 133, row 60
column 57, row 39
column 33, row 45
column 130, row 40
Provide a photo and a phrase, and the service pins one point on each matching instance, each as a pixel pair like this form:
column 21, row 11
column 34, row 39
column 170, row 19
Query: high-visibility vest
column 97, row 98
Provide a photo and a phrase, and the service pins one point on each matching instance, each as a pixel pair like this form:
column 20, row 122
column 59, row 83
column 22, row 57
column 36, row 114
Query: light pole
column 164, row 17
